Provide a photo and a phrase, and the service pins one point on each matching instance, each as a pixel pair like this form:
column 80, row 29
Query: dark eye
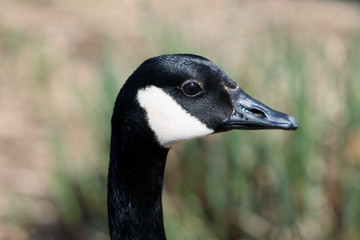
column 191, row 88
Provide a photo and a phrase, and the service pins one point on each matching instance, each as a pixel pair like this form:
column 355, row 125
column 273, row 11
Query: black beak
column 249, row 113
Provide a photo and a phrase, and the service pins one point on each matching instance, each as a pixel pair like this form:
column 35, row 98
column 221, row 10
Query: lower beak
column 249, row 113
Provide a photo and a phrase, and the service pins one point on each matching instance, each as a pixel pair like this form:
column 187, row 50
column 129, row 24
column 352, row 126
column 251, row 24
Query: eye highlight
column 191, row 89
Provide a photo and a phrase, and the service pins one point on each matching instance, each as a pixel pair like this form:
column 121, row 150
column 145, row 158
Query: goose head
column 168, row 100
column 183, row 97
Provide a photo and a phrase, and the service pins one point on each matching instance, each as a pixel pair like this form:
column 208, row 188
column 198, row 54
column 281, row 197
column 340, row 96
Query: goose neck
column 134, row 191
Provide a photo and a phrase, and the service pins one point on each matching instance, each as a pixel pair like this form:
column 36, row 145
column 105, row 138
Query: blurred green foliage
column 250, row 185
column 235, row 185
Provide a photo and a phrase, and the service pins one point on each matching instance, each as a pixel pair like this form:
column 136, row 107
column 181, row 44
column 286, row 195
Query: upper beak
column 249, row 113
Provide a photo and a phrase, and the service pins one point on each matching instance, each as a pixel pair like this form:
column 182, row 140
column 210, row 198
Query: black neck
column 134, row 189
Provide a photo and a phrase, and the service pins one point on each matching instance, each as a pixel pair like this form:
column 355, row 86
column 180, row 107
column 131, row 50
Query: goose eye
column 191, row 89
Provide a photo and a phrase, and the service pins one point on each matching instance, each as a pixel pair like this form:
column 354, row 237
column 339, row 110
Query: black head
column 184, row 96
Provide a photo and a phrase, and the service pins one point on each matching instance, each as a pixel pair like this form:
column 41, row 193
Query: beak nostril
column 253, row 111
column 257, row 112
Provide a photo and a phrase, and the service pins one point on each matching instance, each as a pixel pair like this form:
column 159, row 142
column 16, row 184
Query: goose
column 167, row 100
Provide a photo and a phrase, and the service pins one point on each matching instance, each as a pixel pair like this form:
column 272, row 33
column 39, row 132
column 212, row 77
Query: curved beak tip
column 293, row 123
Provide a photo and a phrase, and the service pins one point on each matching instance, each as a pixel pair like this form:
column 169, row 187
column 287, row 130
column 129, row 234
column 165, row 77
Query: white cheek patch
column 169, row 121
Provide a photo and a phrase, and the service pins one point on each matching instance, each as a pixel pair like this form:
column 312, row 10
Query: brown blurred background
column 63, row 62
